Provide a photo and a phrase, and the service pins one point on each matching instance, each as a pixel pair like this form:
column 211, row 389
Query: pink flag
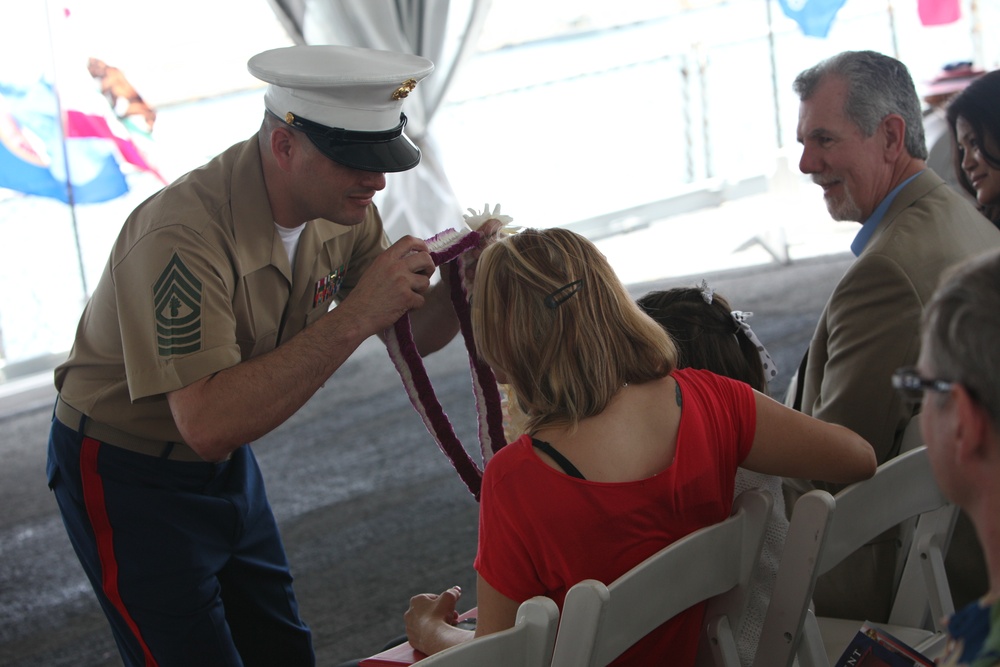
column 938, row 12
column 83, row 125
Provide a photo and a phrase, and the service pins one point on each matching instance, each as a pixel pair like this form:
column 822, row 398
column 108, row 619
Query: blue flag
column 814, row 16
column 35, row 158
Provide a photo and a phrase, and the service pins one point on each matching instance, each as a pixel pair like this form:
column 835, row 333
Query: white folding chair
column 912, row 436
column 528, row 643
column 825, row 529
column 714, row 563
column 914, row 605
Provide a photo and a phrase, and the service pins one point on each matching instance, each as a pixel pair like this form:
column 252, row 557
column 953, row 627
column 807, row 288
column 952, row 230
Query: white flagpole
column 774, row 74
column 70, row 199
column 979, row 55
column 892, row 29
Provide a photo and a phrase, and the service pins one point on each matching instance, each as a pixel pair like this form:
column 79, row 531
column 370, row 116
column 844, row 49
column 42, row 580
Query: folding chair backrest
column 825, row 529
column 901, row 488
column 528, row 643
column 912, row 436
column 923, row 598
column 600, row 622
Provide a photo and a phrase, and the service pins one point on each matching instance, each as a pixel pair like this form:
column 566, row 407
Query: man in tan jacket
column 863, row 143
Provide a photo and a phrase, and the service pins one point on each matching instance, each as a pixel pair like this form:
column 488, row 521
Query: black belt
column 172, row 451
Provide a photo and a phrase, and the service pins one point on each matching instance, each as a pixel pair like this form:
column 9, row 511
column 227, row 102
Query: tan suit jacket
column 871, row 324
column 868, row 329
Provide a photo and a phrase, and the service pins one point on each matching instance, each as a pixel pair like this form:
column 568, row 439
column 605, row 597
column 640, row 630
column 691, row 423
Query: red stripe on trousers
column 93, row 499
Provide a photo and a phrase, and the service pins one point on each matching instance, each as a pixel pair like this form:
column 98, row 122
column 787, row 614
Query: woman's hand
column 430, row 621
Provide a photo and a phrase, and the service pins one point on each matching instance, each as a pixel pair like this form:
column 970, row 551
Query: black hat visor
column 386, row 151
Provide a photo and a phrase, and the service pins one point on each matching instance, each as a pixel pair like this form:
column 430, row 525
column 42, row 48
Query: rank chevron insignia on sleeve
column 177, row 307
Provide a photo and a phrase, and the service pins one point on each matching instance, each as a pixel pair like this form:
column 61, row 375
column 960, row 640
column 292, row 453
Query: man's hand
column 435, row 324
column 220, row 412
column 394, row 284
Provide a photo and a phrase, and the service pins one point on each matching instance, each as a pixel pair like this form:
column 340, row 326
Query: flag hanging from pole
column 34, row 158
column 813, row 16
column 39, row 155
column 938, row 12
column 59, row 134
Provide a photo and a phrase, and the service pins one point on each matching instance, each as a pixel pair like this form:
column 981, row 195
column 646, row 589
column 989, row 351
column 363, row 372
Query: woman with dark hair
column 623, row 453
column 974, row 119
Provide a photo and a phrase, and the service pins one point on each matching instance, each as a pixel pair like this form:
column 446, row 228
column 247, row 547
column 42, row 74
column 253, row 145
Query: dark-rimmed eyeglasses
column 912, row 386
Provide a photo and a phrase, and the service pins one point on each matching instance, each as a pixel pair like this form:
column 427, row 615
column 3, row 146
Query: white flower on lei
column 474, row 220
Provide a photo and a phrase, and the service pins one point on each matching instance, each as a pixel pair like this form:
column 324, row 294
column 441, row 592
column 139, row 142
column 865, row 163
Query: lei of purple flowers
column 448, row 251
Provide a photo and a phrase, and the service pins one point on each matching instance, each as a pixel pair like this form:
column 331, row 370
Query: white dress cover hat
column 347, row 100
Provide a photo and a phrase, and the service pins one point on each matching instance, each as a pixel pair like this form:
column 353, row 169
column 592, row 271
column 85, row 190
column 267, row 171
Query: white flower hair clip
column 707, row 293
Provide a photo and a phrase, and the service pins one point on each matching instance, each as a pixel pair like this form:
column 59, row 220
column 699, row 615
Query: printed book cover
column 403, row 654
column 874, row 647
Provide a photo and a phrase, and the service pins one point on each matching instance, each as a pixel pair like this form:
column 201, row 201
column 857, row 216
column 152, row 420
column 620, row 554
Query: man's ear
column 283, row 146
column 894, row 131
column 972, row 426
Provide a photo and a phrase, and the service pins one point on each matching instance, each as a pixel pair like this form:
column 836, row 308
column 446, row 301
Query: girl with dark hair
column 710, row 335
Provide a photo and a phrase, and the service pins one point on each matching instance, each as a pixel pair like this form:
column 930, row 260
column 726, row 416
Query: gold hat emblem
column 404, row 89
column 290, row 118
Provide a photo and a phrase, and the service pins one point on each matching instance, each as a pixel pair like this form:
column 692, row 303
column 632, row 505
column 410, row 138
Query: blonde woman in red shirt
column 622, row 453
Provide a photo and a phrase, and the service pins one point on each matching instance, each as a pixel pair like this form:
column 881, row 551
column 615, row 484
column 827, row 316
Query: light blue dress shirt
column 867, row 229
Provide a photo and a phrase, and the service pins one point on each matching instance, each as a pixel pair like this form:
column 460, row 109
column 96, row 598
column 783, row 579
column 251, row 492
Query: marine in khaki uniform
column 211, row 325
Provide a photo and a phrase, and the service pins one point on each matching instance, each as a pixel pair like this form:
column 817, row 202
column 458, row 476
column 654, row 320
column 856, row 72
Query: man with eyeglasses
column 863, row 143
column 957, row 379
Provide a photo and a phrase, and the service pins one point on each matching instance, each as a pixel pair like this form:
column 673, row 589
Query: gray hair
column 961, row 325
column 877, row 86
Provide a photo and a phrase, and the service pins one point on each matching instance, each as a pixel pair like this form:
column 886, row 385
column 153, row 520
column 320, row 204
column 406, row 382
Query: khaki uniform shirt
column 199, row 281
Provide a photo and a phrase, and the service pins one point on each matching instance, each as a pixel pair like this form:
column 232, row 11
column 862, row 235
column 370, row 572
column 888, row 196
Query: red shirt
column 541, row 531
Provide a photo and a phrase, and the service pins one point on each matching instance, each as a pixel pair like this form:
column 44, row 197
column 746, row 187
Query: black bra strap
column 563, row 462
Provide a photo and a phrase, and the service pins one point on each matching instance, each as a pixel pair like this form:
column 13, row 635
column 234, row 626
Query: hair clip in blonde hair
column 562, row 295
column 740, row 318
column 707, row 293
